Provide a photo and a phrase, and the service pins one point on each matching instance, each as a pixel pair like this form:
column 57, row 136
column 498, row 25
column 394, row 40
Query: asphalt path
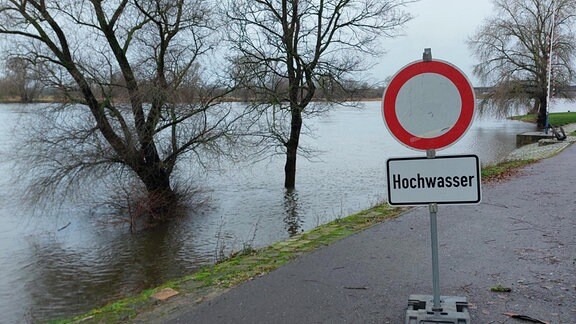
column 521, row 236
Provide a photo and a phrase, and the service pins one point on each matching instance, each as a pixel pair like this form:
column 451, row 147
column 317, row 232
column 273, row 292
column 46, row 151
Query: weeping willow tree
column 513, row 50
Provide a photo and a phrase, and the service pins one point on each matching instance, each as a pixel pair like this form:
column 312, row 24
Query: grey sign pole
column 426, row 57
column 434, row 243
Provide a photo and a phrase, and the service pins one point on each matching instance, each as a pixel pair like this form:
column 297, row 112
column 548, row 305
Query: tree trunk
column 162, row 200
column 542, row 112
column 292, row 149
column 535, row 108
column 24, row 95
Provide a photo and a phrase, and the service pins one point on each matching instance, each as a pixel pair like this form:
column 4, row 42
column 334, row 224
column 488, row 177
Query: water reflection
column 63, row 279
column 292, row 219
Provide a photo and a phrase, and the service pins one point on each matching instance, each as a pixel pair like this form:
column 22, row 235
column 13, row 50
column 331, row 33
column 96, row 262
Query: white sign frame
column 448, row 180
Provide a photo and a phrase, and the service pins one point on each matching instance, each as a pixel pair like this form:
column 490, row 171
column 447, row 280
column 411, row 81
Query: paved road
column 523, row 236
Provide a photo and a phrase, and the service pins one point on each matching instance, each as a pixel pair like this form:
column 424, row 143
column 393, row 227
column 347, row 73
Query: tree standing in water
column 287, row 51
column 129, row 73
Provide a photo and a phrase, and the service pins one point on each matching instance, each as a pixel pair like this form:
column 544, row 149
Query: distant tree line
column 21, row 83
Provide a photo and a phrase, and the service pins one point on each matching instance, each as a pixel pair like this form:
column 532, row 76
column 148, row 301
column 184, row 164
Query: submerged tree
column 287, row 50
column 513, row 49
column 123, row 67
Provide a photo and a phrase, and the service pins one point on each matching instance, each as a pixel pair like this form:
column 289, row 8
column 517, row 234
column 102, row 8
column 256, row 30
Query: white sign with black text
column 443, row 180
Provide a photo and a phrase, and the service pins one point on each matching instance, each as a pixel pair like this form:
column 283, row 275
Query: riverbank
column 538, row 151
column 249, row 264
column 242, row 266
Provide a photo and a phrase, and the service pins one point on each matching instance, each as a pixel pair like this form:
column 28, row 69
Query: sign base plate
column 420, row 310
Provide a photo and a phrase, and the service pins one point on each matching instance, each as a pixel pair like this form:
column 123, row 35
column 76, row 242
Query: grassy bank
column 250, row 263
column 242, row 266
column 556, row 119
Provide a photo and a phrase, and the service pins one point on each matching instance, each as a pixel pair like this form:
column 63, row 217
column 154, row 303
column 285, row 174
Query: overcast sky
column 444, row 26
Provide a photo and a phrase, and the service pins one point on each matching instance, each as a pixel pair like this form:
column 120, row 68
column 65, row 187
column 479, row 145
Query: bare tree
column 286, row 50
column 22, row 79
column 122, row 65
column 513, row 50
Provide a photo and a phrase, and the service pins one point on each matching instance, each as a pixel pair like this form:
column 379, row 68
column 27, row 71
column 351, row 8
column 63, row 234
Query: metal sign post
column 433, row 208
column 429, row 105
column 434, row 243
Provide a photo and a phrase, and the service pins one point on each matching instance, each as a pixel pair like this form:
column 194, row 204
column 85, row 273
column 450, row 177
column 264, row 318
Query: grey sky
column 444, row 26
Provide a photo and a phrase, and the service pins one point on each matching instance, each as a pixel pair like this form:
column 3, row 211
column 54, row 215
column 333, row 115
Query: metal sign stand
column 436, row 309
column 433, row 208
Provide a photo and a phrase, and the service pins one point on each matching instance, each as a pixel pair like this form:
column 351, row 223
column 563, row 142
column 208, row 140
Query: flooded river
column 66, row 261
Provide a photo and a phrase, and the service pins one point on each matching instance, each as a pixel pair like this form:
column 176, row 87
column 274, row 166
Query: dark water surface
column 65, row 262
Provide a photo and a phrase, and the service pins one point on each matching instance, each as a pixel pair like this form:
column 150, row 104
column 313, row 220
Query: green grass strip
column 556, row 119
column 500, row 170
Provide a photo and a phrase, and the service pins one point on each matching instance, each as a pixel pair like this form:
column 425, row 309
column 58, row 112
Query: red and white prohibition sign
column 428, row 105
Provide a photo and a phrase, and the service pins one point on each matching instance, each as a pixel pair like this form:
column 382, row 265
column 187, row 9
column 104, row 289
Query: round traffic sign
column 428, row 105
